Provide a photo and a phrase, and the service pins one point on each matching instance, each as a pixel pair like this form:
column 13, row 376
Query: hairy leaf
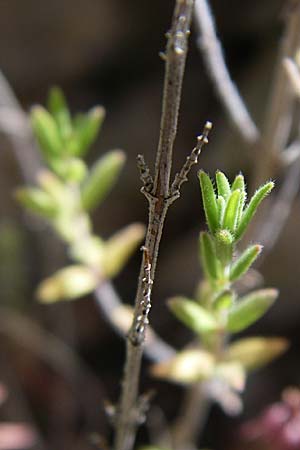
column 223, row 185
column 209, row 201
column 250, row 210
column 244, row 262
column 231, row 211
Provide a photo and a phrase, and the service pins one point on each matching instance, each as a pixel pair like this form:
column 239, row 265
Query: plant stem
column 191, row 419
column 128, row 413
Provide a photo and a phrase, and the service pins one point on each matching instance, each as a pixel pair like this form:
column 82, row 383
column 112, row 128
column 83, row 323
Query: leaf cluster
column 66, row 193
column 217, row 311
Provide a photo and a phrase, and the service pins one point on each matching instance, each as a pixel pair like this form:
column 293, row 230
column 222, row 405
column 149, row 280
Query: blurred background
column 106, row 52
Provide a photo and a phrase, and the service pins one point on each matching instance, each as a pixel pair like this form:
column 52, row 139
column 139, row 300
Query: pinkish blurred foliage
column 15, row 436
column 278, row 426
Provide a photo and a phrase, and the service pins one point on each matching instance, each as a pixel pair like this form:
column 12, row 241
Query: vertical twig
column 212, row 52
column 159, row 198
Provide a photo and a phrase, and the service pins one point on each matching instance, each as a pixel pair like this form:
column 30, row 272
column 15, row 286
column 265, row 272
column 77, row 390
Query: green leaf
column 118, row 249
column 101, row 179
column 223, row 185
column 188, row 366
column 231, row 211
column 221, row 208
column 59, row 109
column 193, row 315
column 244, row 262
column 256, row 352
column 209, row 201
column 224, row 300
column 250, row 308
column 67, row 284
column 250, row 210
column 46, row 132
column 208, row 255
column 239, row 183
column 37, row 201
column 87, row 127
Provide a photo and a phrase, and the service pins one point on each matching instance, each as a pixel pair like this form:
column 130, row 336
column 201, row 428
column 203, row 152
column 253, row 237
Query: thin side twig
column 211, row 49
column 128, row 416
column 181, row 177
column 15, row 124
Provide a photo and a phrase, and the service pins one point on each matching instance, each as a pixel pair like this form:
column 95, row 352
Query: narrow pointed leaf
column 59, row 109
column 193, row 315
column 256, row 352
column 244, row 262
column 209, row 202
column 221, row 208
column 208, row 256
column 101, row 179
column 239, row 183
column 46, row 132
column 231, row 211
column 223, row 185
column 188, row 366
column 250, row 308
column 118, row 249
column 67, row 284
column 250, row 210
column 37, row 201
column 87, row 128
